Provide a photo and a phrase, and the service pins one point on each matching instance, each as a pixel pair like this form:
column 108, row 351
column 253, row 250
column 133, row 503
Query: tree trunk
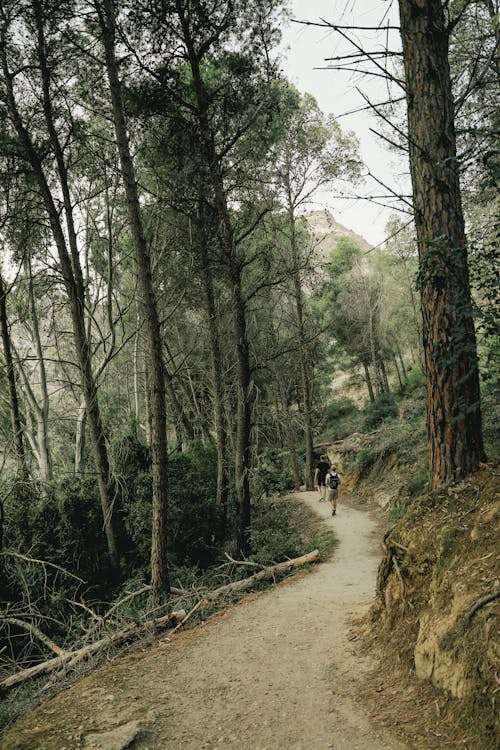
column 15, row 415
column 303, row 353
column 383, row 371
column 180, row 415
column 368, row 381
column 243, row 431
column 226, row 233
column 290, row 436
column 71, row 271
column 373, row 354
column 215, row 362
column 398, row 373
column 453, row 405
column 137, row 398
column 81, row 425
column 159, row 451
column 402, row 362
column 42, row 408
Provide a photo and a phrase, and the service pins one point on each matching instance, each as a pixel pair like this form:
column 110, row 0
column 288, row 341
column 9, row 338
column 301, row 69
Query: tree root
column 479, row 604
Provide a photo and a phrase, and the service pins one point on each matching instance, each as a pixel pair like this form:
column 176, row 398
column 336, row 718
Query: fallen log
column 262, row 575
column 69, row 659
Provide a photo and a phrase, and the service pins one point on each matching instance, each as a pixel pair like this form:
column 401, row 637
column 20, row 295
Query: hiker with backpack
column 332, row 482
column 320, row 476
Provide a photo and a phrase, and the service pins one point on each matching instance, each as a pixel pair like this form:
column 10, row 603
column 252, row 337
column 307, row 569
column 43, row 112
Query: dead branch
column 83, row 606
column 196, row 607
column 11, row 553
column 70, row 659
column 127, row 598
column 398, row 545
column 34, row 631
column 249, row 563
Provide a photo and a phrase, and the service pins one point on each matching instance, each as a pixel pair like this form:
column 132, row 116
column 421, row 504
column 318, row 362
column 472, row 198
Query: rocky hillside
column 326, row 231
column 435, row 625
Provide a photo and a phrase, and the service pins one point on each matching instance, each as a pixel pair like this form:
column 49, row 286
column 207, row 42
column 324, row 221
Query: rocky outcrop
column 439, row 594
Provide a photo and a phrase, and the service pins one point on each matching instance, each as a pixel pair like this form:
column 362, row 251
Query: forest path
column 276, row 672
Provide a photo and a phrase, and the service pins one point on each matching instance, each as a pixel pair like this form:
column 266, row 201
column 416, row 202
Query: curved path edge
column 275, row 672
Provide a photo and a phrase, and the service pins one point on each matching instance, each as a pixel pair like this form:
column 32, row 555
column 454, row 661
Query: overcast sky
column 305, row 51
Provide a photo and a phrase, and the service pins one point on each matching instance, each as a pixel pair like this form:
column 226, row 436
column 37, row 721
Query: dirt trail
column 275, row 672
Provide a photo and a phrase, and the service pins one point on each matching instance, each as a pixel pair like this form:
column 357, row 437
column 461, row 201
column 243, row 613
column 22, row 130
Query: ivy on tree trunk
column 453, row 405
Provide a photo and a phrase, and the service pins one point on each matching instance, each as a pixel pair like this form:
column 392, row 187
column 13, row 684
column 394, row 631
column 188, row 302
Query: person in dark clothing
column 322, row 469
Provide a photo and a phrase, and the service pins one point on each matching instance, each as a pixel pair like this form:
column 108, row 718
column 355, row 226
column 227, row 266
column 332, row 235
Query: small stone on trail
column 116, row 739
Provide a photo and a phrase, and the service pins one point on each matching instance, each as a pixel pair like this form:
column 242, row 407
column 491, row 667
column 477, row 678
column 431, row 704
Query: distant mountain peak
column 327, row 230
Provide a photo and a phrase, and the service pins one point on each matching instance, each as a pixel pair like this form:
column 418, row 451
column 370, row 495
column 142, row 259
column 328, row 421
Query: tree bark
column 292, row 447
column 15, row 414
column 402, row 362
column 373, row 352
column 368, row 381
column 178, row 410
column 453, row 400
column 215, row 360
column 305, row 374
column 398, row 372
column 226, row 233
column 80, row 431
column 42, row 408
column 383, row 370
column 137, row 399
column 159, row 451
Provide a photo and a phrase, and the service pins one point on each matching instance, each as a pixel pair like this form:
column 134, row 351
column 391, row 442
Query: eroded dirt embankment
column 277, row 671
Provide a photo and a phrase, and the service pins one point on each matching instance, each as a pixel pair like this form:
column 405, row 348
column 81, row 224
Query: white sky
column 306, row 48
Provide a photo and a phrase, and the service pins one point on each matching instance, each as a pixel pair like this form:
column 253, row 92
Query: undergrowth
column 283, row 528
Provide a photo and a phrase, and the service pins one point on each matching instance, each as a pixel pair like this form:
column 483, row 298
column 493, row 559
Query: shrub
column 273, row 537
column 384, row 407
column 60, row 523
column 337, row 409
column 272, row 475
column 194, row 519
column 414, row 382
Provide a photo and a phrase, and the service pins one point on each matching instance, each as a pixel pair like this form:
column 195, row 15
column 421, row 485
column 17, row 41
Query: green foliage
column 340, row 408
column 63, row 523
column 194, row 518
column 491, row 423
column 338, row 419
column 273, row 474
column 415, row 382
column 400, row 443
column 343, row 257
column 384, row 407
column 60, row 523
column 274, row 538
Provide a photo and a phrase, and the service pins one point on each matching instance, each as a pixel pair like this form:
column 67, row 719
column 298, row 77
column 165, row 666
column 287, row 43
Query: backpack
column 333, row 481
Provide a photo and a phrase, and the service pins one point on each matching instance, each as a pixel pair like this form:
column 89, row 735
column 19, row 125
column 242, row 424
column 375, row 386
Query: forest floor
column 279, row 670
